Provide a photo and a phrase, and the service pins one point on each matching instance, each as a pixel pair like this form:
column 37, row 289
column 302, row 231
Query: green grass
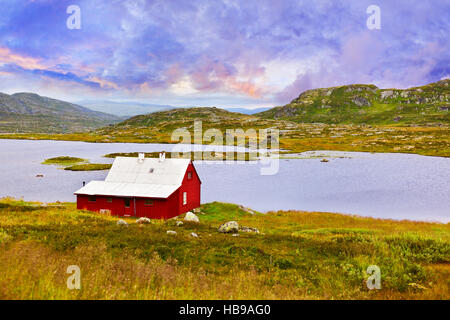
column 77, row 164
column 364, row 104
column 64, row 160
column 294, row 137
column 89, row 167
column 297, row 255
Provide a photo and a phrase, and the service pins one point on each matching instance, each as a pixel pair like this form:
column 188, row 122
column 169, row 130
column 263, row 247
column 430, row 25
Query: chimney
column 162, row 156
column 141, row 157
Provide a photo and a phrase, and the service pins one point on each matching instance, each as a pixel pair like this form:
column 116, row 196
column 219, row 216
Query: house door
column 127, row 207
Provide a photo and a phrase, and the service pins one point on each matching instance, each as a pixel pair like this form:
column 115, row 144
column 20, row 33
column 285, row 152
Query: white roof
column 130, row 177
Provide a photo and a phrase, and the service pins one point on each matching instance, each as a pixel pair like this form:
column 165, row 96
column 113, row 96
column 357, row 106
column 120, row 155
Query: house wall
column 192, row 187
column 161, row 208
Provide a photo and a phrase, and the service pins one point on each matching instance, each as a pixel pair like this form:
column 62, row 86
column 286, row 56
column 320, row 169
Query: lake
column 396, row 186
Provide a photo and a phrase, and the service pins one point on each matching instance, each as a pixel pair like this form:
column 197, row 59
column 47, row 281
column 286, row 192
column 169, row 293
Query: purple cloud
column 259, row 52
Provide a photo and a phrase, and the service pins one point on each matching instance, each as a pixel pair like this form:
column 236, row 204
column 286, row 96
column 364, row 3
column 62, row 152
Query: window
column 127, row 203
column 189, row 175
column 184, row 198
column 92, row 199
column 148, row 202
column 109, row 200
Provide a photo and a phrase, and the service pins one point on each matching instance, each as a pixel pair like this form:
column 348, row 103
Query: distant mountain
column 32, row 113
column 247, row 111
column 360, row 103
column 128, row 108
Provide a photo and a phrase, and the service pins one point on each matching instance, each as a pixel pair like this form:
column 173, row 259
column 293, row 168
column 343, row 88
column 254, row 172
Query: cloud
column 255, row 51
column 8, row 57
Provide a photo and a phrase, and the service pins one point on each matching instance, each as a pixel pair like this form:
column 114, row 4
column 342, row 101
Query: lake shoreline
column 381, row 185
column 421, row 140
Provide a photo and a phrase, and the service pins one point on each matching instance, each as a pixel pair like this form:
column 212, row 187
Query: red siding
column 192, row 187
column 161, row 208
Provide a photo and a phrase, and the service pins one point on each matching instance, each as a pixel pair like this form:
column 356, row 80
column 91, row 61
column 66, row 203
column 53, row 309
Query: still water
column 396, row 186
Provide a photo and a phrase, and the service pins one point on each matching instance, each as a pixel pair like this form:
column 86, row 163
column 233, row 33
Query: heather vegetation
column 296, row 255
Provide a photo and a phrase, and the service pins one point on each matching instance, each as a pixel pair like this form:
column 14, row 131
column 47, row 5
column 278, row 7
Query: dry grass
column 299, row 255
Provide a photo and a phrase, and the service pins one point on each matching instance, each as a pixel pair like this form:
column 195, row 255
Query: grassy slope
column 357, row 104
column 298, row 255
column 31, row 113
column 430, row 139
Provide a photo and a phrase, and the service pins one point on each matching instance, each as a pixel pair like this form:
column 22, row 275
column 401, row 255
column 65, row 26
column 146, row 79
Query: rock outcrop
column 229, row 227
column 191, row 217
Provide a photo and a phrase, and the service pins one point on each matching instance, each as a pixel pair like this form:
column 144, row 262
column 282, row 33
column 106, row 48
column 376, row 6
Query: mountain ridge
column 30, row 112
column 366, row 103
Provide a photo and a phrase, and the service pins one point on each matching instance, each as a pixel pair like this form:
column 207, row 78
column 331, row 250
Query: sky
column 229, row 53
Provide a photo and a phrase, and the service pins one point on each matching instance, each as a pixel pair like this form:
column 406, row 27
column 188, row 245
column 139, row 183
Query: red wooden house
column 144, row 187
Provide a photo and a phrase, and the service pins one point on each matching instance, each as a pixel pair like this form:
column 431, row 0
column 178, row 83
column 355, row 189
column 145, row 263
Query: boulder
column 122, row 223
column 191, row 217
column 360, row 102
column 193, row 234
column 249, row 229
column 171, row 232
column 229, row 227
column 143, row 220
column 247, row 210
column 387, row 94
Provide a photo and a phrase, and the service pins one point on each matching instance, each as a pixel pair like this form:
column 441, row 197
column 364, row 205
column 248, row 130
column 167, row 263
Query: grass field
column 76, row 164
column 89, row 167
column 431, row 141
column 64, row 161
column 297, row 255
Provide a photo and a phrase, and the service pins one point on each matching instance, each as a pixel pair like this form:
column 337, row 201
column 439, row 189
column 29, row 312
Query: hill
column 159, row 126
column 247, row 111
column 32, row 113
column 359, row 103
